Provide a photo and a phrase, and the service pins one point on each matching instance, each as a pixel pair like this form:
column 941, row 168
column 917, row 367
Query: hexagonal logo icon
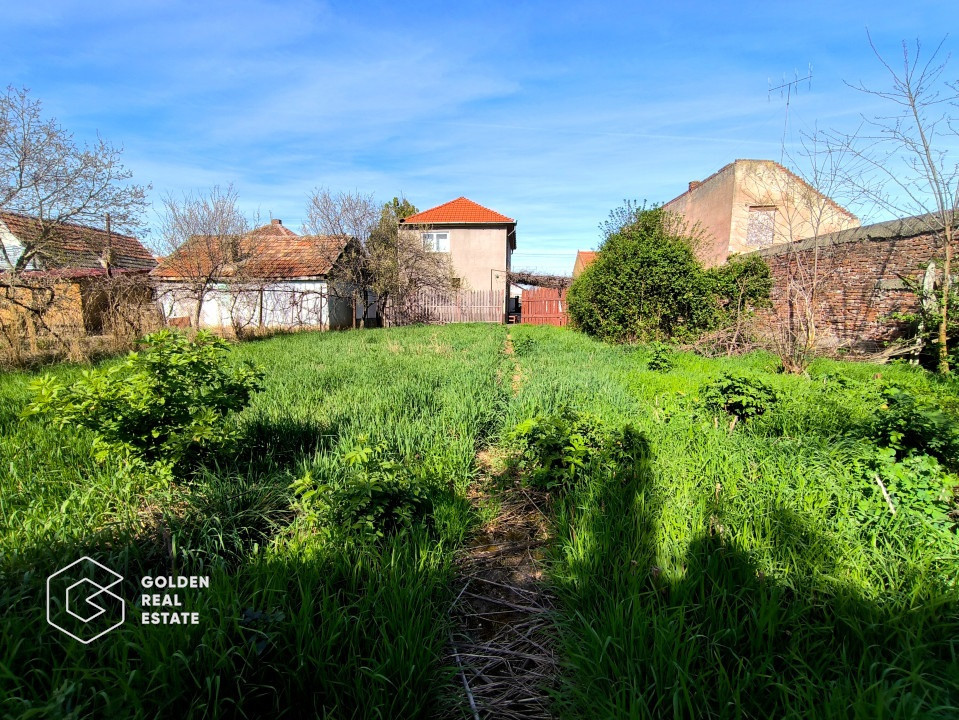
column 81, row 601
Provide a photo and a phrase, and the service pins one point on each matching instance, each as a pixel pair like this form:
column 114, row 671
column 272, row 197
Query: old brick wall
column 863, row 280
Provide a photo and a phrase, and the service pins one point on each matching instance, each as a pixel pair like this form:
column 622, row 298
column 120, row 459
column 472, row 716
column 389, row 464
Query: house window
column 761, row 227
column 436, row 241
column 456, row 283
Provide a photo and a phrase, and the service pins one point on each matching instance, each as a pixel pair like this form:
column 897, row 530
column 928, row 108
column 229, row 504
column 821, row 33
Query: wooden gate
column 544, row 306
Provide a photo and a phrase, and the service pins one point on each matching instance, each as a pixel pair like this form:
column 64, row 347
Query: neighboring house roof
column 459, row 211
column 78, row 247
column 584, row 258
column 696, row 184
column 270, row 252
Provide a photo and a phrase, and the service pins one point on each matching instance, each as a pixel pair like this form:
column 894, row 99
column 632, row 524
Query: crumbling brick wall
column 865, row 276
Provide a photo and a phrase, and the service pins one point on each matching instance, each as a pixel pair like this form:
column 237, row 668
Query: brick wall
column 863, row 278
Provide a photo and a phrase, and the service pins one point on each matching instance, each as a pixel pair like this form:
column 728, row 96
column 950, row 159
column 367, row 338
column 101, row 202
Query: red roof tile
column 78, row 246
column 584, row 258
column 270, row 252
column 460, row 210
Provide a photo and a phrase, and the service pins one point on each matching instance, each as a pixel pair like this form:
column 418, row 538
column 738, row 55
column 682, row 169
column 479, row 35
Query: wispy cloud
column 552, row 113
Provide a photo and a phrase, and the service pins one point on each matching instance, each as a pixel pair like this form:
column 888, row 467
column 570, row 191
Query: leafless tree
column 800, row 208
column 203, row 236
column 350, row 215
column 905, row 161
column 47, row 176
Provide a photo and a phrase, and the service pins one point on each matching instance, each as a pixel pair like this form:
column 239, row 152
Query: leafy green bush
column 158, row 405
column 660, row 358
column 647, row 283
column 378, row 495
column 561, row 450
column 919, row 490
column 911, row 426
column 741, row 396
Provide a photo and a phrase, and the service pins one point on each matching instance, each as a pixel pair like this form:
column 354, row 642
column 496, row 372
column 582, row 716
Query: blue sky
column 550, row 112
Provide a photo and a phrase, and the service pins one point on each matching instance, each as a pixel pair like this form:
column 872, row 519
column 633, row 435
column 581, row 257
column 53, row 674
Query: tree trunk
column 944, row 321
column 197, row 312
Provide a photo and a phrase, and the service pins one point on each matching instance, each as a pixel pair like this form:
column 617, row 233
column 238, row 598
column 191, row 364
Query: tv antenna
column 786, row 89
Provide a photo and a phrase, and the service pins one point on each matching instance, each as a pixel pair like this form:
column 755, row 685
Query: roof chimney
column 693, row 184
column 276, row 222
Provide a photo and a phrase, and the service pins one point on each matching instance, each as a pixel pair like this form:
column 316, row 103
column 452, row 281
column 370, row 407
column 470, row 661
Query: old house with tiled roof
column 70, row 271
column 751, row 204
column 480, row 241
column 69, row 250
column 269, row 277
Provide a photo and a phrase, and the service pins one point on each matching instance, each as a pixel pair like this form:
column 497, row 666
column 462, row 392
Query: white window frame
column 434, row 241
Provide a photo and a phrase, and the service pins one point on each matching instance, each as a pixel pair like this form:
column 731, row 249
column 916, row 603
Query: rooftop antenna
column 788, row 88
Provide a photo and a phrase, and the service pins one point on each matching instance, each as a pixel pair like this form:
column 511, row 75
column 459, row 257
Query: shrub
column 647, row 284
column 911, row 426
column 379, row 495
column 741, row 396
column 158, row 405
column 560, row 450
column 918, row 487
column 660, row 358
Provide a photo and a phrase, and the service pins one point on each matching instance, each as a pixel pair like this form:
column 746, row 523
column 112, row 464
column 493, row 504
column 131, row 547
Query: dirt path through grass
column 502, row 641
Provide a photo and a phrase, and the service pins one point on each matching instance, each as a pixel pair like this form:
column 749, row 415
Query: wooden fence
column 544, row 306
column 453, row 307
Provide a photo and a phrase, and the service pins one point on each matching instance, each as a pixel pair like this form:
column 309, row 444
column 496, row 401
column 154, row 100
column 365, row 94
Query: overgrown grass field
column 744, row 568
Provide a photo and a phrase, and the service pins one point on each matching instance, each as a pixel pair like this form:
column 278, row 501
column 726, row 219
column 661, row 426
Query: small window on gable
column 761, row 228
column 436, row 241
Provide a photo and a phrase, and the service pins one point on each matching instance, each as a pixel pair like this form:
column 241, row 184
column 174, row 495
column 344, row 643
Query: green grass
column 294, row 624
column 733, row 575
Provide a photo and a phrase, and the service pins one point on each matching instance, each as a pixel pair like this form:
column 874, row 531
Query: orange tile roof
column 271, row 252
column 460, row 210
column 584, row 258
column 76, row 247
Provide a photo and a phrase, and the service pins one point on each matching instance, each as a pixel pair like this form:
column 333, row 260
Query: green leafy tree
column 647, row 284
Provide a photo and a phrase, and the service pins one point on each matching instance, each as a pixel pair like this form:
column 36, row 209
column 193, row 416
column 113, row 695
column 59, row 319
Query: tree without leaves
column 202, row 234
column 47, row 176
column 902, row 161
column 804, row 211
column 351, row 215
column 44, row 174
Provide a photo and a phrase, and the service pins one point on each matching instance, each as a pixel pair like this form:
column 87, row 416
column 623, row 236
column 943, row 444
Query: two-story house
column 480, row 241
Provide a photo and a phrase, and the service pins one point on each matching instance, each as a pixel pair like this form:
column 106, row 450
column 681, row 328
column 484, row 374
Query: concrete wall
column 864, row 279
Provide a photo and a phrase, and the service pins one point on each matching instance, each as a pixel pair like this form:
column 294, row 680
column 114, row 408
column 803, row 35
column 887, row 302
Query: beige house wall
column 723, row 203
column 479, row 255
column 710, row 207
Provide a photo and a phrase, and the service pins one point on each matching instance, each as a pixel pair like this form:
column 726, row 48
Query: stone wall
column 865, row 276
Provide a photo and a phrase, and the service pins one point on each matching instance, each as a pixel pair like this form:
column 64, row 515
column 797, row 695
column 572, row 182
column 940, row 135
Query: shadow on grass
column 315, row 629
column 712, row 636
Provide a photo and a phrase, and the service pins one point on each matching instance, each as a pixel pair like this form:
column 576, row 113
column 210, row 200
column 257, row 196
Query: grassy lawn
column 743, row 573
column 748, row 570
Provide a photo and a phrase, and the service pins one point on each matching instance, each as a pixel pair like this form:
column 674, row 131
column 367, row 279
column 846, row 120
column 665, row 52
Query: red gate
column 544, row 306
